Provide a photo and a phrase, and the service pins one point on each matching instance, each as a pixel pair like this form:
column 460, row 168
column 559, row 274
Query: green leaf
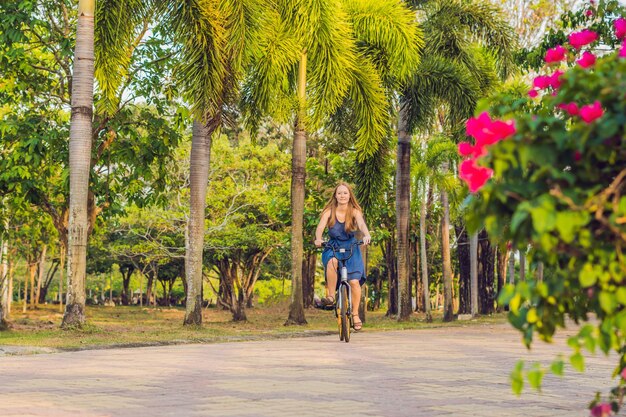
column 535, row 376
column 578, row 362
column 608, row 301
column 587, row 276
column 557, row 367
column 518, row 218
column 568, row 222
column 507, row 293
column 515, row 303
column 544, row 218
column 517, row 378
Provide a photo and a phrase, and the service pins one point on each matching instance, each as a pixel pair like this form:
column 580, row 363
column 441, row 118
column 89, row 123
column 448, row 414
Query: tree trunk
column 42, row 269
column 474, row 291
column 522, row 266
column 486, row 280
column 511, row 266
column 199, row 177
column 423, row 254
column 308, row 279
column 47, row 281
column 448, row 313
column 63, row 250
column 403, row 213
column 25, row 294
column 502, row 259
column 126, row 272
column 80, row 163
column 32, row 271
column 540, row 271
column 419, row 288
column 10, row 295
column 4, row 282
column 239, row 312
column 463, row 252
column 298, row 174
column 149, row 286
column 392, row 278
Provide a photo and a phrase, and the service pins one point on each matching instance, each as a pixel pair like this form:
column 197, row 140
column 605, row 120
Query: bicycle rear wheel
column 338, row 304
column 344, row 314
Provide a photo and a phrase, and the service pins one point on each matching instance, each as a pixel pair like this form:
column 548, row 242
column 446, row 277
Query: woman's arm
column 320, row 227
column 363, row 228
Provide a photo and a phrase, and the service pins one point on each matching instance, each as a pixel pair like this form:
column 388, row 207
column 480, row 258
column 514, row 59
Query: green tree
column 464, row 42
column 79, row 163
column 558, row 185
column 247, row 217
column 35, row 131
column 313, row 60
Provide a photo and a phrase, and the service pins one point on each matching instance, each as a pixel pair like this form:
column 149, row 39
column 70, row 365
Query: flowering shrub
column 559, row 185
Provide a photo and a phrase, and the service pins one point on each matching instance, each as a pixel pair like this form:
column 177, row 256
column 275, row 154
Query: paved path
column 456, row 372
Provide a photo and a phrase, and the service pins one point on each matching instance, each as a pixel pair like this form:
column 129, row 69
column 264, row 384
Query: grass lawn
column 137, row 326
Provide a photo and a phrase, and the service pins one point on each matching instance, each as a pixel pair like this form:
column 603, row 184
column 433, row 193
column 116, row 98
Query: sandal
column 328, row 301
column 356, row 325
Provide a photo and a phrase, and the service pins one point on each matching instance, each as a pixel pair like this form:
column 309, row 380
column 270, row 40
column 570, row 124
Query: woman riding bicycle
column 344, row 217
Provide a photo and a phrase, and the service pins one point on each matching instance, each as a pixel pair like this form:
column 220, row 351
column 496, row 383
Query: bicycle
column 343, row 293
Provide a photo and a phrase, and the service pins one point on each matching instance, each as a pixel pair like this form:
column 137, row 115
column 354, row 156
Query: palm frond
column 475, row 21
column 200, row 25
column 371, row 174
column 269, row 85
column 370, row 109
column 332, row 57
column 388, row 30
column 117, row 25
column 439, row 80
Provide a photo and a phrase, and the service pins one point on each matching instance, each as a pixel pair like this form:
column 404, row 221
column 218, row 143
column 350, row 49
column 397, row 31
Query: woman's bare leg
column 355, row 286
column 331, row 277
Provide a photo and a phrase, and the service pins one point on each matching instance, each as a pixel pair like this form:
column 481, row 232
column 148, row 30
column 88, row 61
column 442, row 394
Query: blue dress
column 339, row 238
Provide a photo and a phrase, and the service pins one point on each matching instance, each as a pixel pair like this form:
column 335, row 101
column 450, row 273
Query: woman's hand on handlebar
column 319, row 243
column 367, row 239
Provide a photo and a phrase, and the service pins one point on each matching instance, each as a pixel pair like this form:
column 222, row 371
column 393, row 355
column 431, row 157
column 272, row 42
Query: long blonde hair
column 353, row 205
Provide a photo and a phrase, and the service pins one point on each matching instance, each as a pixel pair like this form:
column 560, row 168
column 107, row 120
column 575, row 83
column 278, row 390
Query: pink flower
column 475, row 176
column 587, row 60
column 571, row 108
column 620, row 28
column 582, row 38
column 589, row 13
column 556, row 54
column 623, row 373
column 591, row 112
column 622, row 52
column 466, row 148
column 541, row 82
column 488, row 132
column 602, row 410
column 555, row 79
column 533, row 93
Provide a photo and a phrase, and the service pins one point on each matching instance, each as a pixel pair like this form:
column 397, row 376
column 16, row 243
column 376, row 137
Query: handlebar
column 346, row 253
column 327, row 245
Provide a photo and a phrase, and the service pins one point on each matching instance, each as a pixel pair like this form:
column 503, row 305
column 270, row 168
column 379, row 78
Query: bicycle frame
column 342, row 282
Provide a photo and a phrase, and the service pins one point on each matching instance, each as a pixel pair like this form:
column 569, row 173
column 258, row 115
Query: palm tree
column 331, row 54
column 80, row 163
column 465, row 40
column 426, row 173
column 4, row 273
column 200, row 27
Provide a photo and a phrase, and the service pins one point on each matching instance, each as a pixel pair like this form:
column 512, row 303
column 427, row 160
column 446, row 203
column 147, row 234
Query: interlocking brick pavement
column 460, row 372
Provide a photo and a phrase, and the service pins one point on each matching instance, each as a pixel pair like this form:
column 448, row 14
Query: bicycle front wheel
column 344, row 314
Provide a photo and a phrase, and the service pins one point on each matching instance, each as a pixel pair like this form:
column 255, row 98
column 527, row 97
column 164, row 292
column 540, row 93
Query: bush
column 559, row 187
